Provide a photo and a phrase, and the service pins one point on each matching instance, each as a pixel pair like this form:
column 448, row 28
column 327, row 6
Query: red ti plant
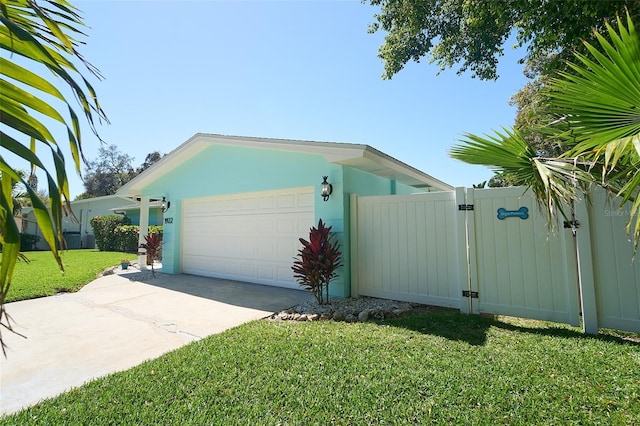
column 153, row 245
column 317, row 262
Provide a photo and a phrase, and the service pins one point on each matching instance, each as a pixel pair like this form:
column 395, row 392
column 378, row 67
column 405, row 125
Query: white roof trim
column 359, row 156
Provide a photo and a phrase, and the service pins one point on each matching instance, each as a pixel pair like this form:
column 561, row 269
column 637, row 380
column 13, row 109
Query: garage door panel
column 249, row 237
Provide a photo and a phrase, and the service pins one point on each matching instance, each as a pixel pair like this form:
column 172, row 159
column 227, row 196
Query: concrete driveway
column 117, row 322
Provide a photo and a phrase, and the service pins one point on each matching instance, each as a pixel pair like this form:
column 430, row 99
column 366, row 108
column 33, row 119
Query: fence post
column 353, row 241
column 462, row 249
column 586, row 278
column 474, row 285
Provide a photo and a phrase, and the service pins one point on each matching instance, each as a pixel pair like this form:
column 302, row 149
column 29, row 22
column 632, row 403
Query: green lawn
column 438, row 367
column 41, row 276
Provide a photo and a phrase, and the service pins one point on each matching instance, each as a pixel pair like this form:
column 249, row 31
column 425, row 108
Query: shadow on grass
column 447, row 323
column 473, row 329
column 560, row 330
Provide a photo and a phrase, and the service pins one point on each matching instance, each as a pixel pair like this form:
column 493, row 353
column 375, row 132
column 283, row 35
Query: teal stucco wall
column 224, row 170
column 155, row 216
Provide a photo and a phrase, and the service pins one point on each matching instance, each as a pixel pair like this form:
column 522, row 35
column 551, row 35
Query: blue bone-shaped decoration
column 522, row 213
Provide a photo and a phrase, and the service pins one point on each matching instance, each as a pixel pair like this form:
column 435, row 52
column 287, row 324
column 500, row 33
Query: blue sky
column 282, row 69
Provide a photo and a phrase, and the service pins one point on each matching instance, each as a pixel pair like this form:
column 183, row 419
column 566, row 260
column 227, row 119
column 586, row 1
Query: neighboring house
column 77, row 230
column 132, row 211
column 237, row 206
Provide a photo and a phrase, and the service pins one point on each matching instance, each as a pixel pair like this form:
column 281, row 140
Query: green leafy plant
column 104, row 228
column 596, row 110
column 317, row 263
column 44, row 37
column 153, row 246
column 126, row 237
column 28, row 242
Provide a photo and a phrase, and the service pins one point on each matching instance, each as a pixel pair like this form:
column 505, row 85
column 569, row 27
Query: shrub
column 28, row 242
column 153, row 246
column 126, row 237
column 104, row 230
column 319, row 258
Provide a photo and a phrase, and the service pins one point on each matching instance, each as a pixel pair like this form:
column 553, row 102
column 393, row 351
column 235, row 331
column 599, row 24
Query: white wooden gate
column 490, row 251
column 517, row 267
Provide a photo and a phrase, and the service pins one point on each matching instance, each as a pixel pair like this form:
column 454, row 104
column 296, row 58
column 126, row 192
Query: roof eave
column 359, row 156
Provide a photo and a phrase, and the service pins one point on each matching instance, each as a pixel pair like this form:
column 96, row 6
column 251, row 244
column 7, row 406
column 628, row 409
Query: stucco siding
column 227, row 170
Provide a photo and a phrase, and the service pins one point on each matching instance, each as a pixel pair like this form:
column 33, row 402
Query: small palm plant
column 153, row 245
column 318, row 261
column 596, row 108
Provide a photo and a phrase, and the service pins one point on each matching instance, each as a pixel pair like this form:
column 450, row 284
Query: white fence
column 608, row 265
column 489, row 251
column 407, row 249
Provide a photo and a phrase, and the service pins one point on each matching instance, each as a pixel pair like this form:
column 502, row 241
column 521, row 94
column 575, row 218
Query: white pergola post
column 144, row 230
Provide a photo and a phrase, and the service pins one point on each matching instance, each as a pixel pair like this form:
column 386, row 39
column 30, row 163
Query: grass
column 41, row 276
column 438, row 367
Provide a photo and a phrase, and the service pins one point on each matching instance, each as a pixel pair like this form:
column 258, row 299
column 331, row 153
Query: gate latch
column 571, row 224
column 469, row 293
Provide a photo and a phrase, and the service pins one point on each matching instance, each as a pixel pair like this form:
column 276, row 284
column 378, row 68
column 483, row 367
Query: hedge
column 28, row 242
column 126, row 237
column 115, row 233
column 103, row 230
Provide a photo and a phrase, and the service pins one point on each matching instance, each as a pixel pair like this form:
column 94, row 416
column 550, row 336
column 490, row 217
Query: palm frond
column 509, row 153
column 40, row 35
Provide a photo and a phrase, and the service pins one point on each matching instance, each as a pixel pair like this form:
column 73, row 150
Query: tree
column 111, row 171
column 150, row 160
column 42, row 37
column 108, row 173
column 596, row 119
column 471, row 34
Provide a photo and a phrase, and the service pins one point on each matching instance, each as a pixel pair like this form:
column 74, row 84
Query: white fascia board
column 358, row 156
column 384, row 165
column 182, row 153
column 331, row 151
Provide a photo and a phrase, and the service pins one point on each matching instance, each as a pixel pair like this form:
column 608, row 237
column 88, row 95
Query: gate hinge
column 465, row 206
column 571, row 224
column 471, row 294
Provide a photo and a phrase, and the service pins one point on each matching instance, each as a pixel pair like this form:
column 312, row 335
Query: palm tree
column 596, row 106
column 40, row 36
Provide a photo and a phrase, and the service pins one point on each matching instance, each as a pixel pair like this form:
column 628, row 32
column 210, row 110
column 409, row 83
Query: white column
column 144, row 230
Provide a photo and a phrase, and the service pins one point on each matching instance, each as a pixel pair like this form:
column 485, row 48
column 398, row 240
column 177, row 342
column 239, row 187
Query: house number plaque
column 522, row 213
column 168, row 220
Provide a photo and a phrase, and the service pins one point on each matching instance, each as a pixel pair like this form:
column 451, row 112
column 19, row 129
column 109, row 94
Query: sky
column 304, row 70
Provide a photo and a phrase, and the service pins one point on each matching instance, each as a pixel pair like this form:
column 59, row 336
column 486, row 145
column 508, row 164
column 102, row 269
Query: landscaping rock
column 363, row 316
column 360, row 309
column 108, row 271
column 338, row 316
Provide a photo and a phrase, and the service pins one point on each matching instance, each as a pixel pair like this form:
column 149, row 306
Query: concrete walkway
column 117, row 322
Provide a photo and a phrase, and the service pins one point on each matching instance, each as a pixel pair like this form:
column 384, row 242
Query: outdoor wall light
column 165, row 204
column 327, row 188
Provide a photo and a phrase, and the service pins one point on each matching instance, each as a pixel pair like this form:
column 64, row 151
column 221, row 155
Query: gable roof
column 358, row 156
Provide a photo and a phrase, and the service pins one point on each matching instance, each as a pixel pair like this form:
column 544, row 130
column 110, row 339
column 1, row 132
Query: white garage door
column 248, row 237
